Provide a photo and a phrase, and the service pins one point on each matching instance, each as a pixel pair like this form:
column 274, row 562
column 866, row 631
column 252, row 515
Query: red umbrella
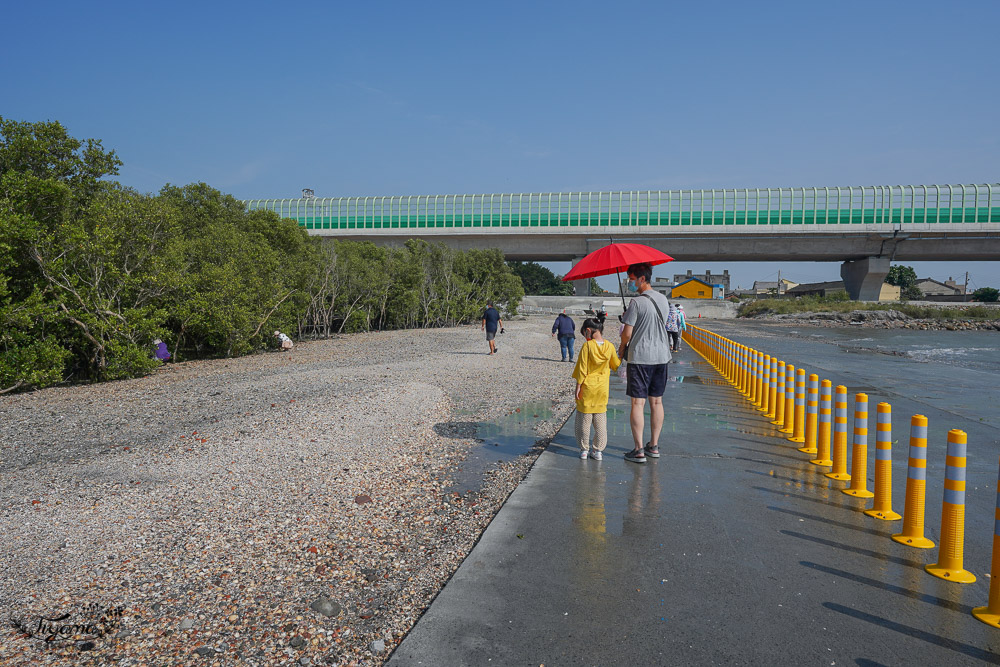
column 615, row 258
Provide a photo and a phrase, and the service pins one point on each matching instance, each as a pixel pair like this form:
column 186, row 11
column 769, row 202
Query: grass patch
column 840, row 304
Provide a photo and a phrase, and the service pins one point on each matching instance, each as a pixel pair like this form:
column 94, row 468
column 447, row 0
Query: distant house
column 817, row 289
column 695, row 288
column 707, row 278
column 931, row 287
column 765, row 287
column 887, row 293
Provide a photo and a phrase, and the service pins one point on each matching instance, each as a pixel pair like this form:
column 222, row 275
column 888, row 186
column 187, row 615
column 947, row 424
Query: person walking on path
column 646, row 347
column 674, row 323
column 593, row 374
column 491, row 322
column 683, row 323
column 565, row 328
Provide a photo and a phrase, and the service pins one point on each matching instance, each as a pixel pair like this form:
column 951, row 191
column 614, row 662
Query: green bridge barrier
column 891, row 205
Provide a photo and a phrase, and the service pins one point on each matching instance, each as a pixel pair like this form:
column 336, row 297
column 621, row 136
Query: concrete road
column 731, row 548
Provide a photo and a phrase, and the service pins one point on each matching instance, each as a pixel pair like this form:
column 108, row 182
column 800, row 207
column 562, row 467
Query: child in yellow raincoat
column 594, row 364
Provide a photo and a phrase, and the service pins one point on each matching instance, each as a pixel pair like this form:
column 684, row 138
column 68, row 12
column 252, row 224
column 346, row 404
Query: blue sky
column 384, row 98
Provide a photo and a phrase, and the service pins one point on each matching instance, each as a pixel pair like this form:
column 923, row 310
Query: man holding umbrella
column 646, row 348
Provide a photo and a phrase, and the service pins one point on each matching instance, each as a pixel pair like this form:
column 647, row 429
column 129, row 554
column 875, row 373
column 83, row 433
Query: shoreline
column 230, row 504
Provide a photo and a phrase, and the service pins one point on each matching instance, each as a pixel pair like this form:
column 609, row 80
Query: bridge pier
column 581, row 287
column 863, row 278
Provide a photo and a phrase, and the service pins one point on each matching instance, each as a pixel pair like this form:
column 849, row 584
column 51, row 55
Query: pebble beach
column 286, row 508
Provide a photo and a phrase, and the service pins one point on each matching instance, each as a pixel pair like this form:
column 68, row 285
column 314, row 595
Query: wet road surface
column 731, row 548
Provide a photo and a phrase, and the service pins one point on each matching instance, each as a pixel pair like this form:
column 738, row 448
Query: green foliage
column 902, row 276
column 92, row 272
column 986, row 294
column 539, row 281
column 363, row 287
column 835, row 304
column 911, row 293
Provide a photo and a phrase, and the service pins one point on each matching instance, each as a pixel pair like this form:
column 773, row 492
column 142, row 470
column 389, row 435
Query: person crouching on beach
column 594, row 364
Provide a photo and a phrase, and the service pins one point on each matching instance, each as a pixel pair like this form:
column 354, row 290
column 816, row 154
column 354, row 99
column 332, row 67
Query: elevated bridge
column 865, row 227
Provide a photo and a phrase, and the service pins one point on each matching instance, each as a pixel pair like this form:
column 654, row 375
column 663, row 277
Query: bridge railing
column 879, row 204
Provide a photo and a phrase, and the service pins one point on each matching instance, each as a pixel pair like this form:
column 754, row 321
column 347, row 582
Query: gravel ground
column 284, row 508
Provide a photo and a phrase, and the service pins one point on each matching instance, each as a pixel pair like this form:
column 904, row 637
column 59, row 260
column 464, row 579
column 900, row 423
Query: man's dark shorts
column 645, row 380
column 490, row 335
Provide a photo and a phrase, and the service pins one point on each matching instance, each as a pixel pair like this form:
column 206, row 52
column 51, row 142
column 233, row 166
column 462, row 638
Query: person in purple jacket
column 161, row 350
column 566, row 330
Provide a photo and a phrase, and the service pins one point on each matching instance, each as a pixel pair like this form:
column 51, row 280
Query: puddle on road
column 502, row 441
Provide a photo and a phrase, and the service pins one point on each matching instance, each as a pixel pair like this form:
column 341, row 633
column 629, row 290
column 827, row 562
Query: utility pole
column 965, row 287
column 779, row 282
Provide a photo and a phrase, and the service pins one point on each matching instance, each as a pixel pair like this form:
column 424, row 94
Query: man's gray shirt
column 649, row 343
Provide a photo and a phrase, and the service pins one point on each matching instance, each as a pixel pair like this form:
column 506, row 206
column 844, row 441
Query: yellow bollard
column 812, row 415
column 752, row 389
column 916, row 487
column 882, row 505
column 772, row 390
column 744, row 371
column 952, row 550
column 990, row 614
column 765, row 384
column 779, row 394
column 839, row 471
column 823, row 433
column 800, row 407
column 859, row 451
column 758, row 378
column 789, row 399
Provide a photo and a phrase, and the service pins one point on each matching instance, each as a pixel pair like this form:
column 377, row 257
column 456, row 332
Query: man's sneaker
column 596, row 455
column 636, row 456
column 583, row 454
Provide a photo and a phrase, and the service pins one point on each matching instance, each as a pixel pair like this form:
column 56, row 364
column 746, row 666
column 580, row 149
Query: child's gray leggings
column 600, row 421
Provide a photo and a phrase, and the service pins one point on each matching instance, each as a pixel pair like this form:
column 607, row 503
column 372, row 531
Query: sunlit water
column 979, row 350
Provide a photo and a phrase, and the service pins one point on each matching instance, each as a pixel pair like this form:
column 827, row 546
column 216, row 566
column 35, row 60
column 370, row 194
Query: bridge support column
column 863, row 278
column 581, row 287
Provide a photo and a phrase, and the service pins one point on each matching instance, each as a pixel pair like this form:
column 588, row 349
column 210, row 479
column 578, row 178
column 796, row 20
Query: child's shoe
column 596, row 455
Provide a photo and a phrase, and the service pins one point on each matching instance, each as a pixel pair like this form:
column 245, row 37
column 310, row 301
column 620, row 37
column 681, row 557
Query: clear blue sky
column 381, row 98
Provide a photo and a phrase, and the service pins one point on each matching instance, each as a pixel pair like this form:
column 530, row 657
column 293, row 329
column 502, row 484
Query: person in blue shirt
column 566, row 330
column 491, row 323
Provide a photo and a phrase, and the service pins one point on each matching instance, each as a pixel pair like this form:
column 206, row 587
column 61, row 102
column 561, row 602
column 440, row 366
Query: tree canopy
column 91, row 272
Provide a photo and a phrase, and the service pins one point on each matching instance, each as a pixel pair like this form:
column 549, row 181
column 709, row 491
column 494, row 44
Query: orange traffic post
column 758, row 378
column 752, row 367
column 779, row 394
column 990, row 614
column 765, row 384
column 952, row 550
column 800, row 407
column 772, row 392
column 744, row 370
column 823, row 425
column 882, row 505
column 789, row 426
column 859, row 451
column 839, row 471
column 916, row 488
column 812, row 415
